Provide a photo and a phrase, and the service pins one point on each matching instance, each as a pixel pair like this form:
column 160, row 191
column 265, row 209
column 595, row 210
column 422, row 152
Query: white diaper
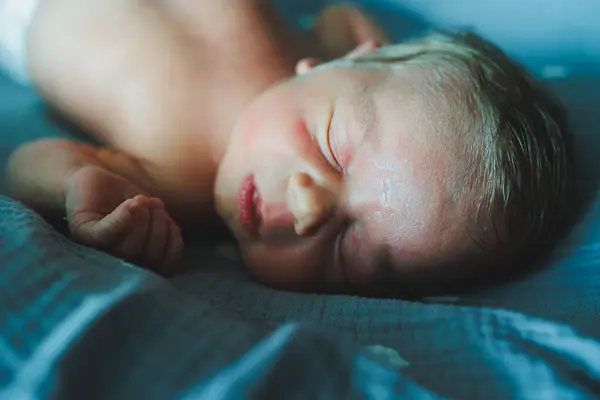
column 15, row 17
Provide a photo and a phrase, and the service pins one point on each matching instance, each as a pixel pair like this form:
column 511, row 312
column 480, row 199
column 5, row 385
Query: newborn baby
column 337, row 163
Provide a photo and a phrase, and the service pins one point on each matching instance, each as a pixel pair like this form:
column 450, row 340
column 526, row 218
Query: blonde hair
column 523, row 137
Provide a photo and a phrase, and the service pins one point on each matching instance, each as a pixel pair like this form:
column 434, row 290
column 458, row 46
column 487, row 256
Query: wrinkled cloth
column 77, row 323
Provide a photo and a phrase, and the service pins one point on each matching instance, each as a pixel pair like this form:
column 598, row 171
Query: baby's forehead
column 408, row 170
column 419, row 105
column 408, row 210
column 405, row 213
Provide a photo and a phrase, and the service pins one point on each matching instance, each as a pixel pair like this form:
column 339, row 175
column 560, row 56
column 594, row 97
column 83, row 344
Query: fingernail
column 157, row 203
column 133, row 204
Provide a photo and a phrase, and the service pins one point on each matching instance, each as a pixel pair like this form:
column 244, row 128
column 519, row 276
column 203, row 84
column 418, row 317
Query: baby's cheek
column 299, row 132
column 359, row 261
column 250, row 132
column 301, row 142
column 285, row 266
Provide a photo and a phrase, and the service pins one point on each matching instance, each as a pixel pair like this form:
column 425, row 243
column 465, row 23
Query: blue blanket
column 79, row 324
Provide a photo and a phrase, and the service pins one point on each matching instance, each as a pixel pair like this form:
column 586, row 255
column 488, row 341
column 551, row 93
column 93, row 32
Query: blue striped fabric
column 76, row 323
column 79, row 324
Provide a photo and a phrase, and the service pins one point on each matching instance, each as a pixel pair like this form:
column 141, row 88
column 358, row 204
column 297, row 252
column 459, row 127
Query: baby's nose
column 311, row 204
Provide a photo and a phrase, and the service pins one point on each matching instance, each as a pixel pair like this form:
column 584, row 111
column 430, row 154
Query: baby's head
column 419, row 163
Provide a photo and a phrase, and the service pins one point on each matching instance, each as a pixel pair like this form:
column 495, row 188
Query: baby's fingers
column 131, row 246
column 174, row 249
column 158, row 238
column 104, row 232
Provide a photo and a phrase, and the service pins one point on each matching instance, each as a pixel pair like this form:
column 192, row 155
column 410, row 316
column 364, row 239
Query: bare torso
column 234, row 60
column 211, row 62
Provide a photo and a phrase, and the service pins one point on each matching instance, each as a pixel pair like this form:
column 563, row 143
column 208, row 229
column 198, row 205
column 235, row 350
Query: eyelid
column 334, row 159
column 338, row 257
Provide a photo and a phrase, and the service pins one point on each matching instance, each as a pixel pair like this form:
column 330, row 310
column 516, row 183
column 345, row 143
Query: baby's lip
column 249, row 204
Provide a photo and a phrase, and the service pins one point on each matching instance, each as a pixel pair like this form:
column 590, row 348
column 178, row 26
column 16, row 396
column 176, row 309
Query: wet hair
column 523, row 167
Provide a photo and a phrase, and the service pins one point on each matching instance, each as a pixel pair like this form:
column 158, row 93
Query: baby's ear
column 306, row 64
column 365, row 47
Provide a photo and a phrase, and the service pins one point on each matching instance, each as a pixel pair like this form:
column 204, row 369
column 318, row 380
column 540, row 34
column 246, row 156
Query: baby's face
column 345, row 177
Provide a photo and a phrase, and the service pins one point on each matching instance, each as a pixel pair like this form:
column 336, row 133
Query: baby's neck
column 255, row 33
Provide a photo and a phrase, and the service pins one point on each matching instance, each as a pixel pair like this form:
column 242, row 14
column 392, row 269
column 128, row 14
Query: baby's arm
column 343, row 27
column 102, row 64
column 90, row 60
column 103, row 208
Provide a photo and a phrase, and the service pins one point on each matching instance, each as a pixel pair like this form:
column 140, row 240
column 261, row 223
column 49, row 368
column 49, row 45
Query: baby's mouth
column 249, row 205
column 257, row 202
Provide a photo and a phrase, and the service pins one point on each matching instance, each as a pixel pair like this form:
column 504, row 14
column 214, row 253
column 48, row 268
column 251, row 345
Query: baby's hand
column 105, row 211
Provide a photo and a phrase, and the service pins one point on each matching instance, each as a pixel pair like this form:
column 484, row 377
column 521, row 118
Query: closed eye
column 331, row 155
column 339, row 262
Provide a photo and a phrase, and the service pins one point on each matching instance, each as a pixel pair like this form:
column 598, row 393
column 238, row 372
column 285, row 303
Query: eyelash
column 334, row 159
column 338, row 255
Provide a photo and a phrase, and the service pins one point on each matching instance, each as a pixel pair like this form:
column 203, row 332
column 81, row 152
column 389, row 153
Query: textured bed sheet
column 76, row 323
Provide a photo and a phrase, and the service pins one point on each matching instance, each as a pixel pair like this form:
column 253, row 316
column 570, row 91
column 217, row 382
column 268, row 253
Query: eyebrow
column 369, row 117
